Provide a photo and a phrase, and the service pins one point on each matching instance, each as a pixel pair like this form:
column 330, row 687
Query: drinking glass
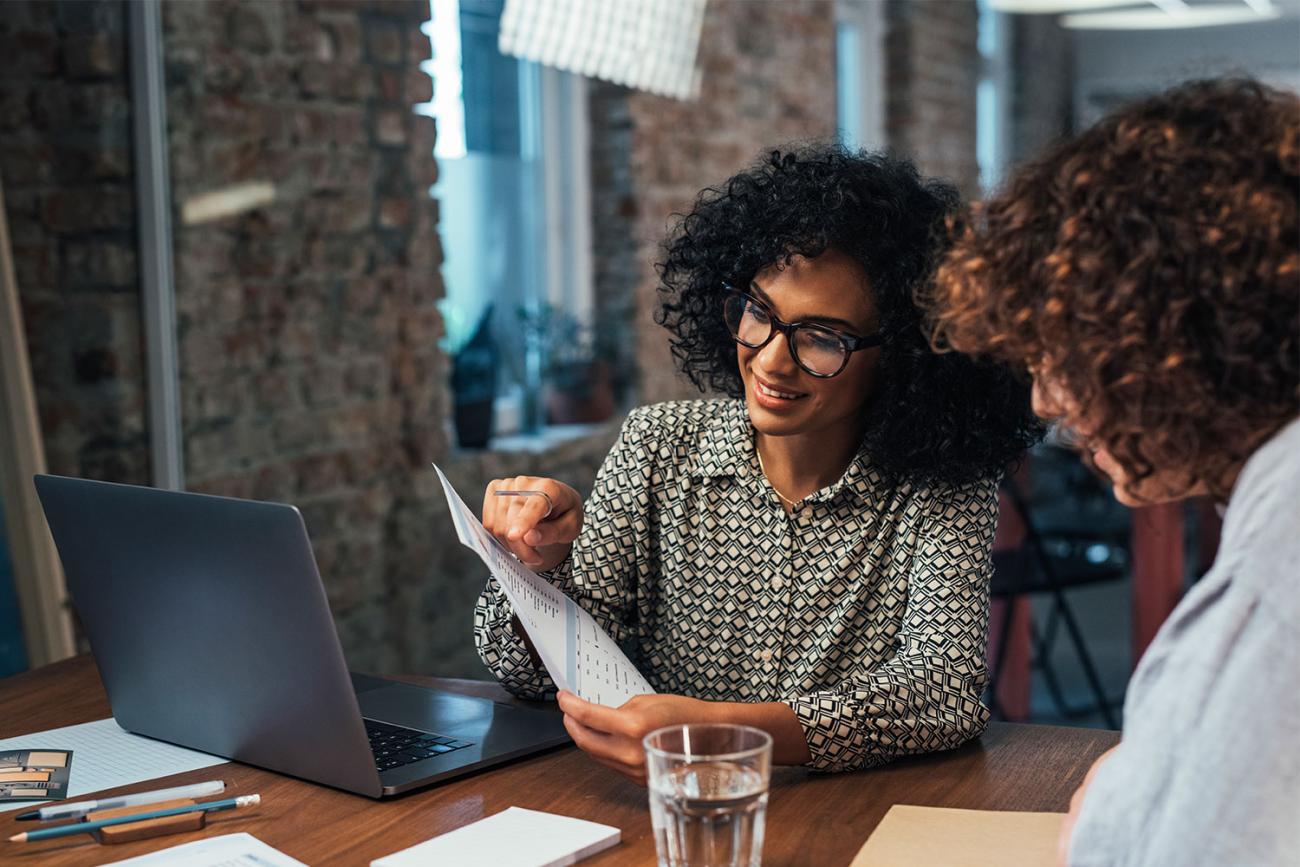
column 708, row 794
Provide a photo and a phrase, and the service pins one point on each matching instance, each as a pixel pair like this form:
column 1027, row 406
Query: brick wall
column 65, row 161
column 617, row 266
column 307, row 328
column 931, row 72
column 768, row 78
column 1042, row 84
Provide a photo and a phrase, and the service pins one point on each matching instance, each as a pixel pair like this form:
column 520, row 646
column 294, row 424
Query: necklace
column 789, row 502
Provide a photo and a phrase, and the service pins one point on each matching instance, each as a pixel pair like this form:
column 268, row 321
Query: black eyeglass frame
column 851, row 342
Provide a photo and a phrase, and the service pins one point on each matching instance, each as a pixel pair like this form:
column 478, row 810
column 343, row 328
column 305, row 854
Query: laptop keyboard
column 395, row 746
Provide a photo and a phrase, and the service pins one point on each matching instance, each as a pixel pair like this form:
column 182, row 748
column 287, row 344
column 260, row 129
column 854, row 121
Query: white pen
column 81, row 808
column 550, row 506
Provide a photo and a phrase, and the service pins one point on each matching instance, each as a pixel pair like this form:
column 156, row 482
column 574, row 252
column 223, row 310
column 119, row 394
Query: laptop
column 210, row 626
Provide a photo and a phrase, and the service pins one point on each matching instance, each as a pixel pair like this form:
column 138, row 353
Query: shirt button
column 777, row 583
column 766, row 656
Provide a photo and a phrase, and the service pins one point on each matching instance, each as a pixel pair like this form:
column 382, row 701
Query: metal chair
column 1050, row 563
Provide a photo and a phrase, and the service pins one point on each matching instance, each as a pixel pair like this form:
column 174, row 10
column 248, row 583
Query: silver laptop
column 211, row 629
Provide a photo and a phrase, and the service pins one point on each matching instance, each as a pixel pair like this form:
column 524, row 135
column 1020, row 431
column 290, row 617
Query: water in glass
column 709, row 814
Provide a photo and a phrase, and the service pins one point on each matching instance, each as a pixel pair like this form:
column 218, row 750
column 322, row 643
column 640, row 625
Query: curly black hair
column 936, row 418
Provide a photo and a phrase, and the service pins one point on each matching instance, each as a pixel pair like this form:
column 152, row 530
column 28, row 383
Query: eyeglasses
column 822, row 352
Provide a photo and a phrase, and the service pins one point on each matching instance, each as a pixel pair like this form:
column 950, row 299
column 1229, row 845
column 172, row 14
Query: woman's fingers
column 496, row 512
column 560, row 530
column 598, row 717
column 490, row 503
column 509, row 518
column 527, row 512
column 558, row 499
column 529, row 522
column 615, row 750
column 506, row 531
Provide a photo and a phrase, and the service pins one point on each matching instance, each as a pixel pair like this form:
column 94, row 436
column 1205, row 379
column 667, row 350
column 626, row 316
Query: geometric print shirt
column 865, row 609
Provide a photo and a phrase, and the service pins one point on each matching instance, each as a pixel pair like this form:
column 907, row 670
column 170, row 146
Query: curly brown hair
column 1150, row 268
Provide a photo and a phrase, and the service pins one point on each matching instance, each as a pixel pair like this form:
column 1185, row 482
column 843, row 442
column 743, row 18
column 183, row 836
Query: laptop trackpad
column 424, row 709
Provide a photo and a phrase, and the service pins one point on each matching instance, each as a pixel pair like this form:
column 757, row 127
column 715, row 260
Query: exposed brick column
column 1042, row 84
column 65, row 155
column 307, row 328
column 931, row 72
column 616, row 270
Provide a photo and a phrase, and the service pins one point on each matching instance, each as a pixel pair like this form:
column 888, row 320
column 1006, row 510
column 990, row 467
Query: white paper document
column 578, row 654
column 104, row 757
column 228, row 850
column 512, row 838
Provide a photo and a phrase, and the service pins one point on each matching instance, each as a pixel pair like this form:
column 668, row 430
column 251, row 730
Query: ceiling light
column 1055, row 7
column 1156, row 19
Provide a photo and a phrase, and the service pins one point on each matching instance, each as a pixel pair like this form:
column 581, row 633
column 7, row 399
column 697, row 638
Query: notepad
column 107, row 757
column 580, row 656
column 909, row 835
column 228, row 850
column 512, row 838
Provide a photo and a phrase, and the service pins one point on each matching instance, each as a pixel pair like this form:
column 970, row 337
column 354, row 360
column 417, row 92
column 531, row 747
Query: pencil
column 76, row 810
column 86, row 827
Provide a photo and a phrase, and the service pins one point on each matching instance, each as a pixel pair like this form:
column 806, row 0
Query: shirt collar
column 727, row 451
column 727, row 444
column 861, row 480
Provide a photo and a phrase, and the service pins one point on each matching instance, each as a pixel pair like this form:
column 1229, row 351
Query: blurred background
column 298, row 250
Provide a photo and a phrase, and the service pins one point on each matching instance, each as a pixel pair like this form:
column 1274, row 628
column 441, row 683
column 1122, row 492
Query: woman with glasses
column 811, row 554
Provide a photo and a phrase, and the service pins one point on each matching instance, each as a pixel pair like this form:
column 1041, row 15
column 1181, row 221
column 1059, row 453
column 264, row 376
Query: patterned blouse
column 865, row 609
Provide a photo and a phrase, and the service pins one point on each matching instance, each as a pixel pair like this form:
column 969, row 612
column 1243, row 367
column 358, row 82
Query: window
column 991, row 98
column 513, row 193
column 860, row 73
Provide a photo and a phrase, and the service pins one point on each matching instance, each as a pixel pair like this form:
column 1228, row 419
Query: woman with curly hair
column 1147, row 274
column 811, row 555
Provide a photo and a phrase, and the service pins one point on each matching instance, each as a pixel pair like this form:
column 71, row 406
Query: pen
column 81, row 808
column 550, row 506
column 85, row 827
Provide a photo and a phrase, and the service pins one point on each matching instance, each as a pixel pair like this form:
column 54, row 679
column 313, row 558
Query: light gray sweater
column 1208, row 771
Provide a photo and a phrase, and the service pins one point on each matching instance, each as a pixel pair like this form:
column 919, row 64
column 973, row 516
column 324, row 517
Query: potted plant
column 577, row 369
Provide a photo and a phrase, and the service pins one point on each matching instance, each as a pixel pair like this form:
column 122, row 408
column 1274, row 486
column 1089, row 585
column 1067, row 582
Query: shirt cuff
column 833, row 738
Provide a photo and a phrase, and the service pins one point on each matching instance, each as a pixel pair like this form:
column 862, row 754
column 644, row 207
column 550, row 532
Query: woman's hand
column 612, row 736
column 539, row 540
column 1076, row 804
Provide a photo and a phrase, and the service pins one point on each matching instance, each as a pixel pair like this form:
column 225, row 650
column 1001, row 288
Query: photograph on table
column 27, row 775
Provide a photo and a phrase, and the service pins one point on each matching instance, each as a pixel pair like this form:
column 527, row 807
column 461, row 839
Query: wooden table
column 811, row 819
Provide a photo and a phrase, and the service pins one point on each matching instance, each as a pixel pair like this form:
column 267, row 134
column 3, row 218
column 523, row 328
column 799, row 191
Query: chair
column 1049, row 560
